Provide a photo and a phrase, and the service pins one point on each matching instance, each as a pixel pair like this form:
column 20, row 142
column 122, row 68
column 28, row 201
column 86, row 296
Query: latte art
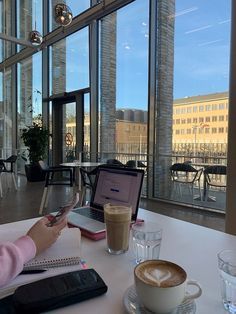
column 160, row 273
column 157, row 276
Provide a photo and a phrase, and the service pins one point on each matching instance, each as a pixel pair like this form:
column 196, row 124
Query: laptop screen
column 118, row 186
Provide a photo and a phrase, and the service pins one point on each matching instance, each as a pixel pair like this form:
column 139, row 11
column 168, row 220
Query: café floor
column 24, row 203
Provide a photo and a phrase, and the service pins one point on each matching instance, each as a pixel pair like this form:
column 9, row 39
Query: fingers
column 59, row 226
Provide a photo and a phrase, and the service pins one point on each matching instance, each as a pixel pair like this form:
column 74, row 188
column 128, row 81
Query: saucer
column 133, row 306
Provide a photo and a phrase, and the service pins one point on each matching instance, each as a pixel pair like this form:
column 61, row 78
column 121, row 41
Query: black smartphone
column 63, row 211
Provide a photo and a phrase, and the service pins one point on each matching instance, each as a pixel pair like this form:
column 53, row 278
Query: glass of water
column 227, row 269
column 146, row 237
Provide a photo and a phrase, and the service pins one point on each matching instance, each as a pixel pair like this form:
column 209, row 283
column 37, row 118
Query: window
column 201, row 119
column 177, row 121
column 208, row 107
column 194, row 108
column 207, row 130
column 182, row 131
column 183, row 110
column 177, row 132
column 201, row 108
column 189, row 109
column 214, row 106
column 194, row 120
column 208, row 119
column 214, row 130
column 214, row 118
column 189, row 120
column 183, row 121
column 221, row 130
column 221, row 118
column 178, row 111
column 189, row 131
column 221, row 106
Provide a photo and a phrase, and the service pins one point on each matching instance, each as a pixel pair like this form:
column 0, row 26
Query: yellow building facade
column 200, row 123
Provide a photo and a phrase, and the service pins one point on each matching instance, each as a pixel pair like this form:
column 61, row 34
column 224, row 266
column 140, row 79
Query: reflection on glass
column 29, row 96
column 70, row 63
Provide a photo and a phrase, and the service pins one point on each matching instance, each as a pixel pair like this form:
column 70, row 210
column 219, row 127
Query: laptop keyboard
column 90, row 213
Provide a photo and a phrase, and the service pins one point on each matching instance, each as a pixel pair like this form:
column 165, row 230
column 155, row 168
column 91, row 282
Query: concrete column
column 164, row 96
column 230, row 219
column 108, row 84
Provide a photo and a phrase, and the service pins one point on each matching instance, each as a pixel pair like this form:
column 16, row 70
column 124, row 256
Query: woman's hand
column 44, row 236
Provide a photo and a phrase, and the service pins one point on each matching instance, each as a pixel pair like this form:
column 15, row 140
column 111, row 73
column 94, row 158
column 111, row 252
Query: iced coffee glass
column 117, row 220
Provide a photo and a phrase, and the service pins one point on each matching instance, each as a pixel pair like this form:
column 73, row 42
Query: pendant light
column 63, row 14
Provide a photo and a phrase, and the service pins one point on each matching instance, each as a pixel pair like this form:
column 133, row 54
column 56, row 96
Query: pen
column 32, row 271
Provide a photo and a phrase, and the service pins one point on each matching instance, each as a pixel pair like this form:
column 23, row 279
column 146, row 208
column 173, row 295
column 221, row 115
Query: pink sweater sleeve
column 13, row 255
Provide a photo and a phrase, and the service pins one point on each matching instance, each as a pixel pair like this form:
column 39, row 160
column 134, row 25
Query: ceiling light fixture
column 35, row 37
column 63, row 14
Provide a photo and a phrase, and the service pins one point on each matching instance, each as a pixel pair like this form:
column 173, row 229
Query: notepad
column 64, row 252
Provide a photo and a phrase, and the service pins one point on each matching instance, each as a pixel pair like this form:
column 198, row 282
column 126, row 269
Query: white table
column 191, row 246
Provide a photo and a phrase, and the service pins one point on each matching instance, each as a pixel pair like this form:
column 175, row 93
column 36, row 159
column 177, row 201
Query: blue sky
column 201, row 50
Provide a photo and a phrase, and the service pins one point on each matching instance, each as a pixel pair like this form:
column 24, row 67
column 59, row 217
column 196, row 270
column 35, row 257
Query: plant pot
column 34, row 173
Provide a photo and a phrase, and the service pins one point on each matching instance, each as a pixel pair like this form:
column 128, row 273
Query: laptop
column 115, row 185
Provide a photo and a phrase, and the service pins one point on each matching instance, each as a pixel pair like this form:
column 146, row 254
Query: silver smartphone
column 63, row 211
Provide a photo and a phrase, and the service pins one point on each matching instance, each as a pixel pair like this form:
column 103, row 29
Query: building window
column 208, row 107
column 214, row 106
column 194, row 108
column 183, row 121
column 201, row 108
column 201, row 130
column 214, row 130
column 182, row 131
column 221, row 106
column 207, row 130
column 214, row 118
column 208, row 119
column 189, row 120
column 226, row 117
column 221, row 130
column 188, row 131
column 177, row 132
column 201, row 119
column 183, row 110
column 194, row 120
column 177, row 121
column 178, row 111
column 189, row 109
column 221, row 118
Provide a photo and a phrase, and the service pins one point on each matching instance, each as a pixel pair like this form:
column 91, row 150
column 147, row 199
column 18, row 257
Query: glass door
column 68, row 127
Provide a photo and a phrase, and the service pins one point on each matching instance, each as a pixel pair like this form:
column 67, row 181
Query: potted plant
column 35, row 138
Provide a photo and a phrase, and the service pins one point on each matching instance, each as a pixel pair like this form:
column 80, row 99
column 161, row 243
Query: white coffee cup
column 161, row 285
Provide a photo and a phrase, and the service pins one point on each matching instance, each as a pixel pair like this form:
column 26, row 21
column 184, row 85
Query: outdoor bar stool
column 215, row 176
column 51, row 179
column 183, row 174
column 88, row 181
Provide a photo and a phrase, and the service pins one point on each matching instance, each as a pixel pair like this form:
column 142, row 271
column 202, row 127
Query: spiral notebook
column 64, row 252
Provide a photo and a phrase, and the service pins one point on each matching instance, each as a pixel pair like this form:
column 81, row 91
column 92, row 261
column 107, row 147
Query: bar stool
column 50, row 174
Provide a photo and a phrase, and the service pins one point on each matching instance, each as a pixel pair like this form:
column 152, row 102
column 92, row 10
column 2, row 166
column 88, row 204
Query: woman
column 13, row 255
